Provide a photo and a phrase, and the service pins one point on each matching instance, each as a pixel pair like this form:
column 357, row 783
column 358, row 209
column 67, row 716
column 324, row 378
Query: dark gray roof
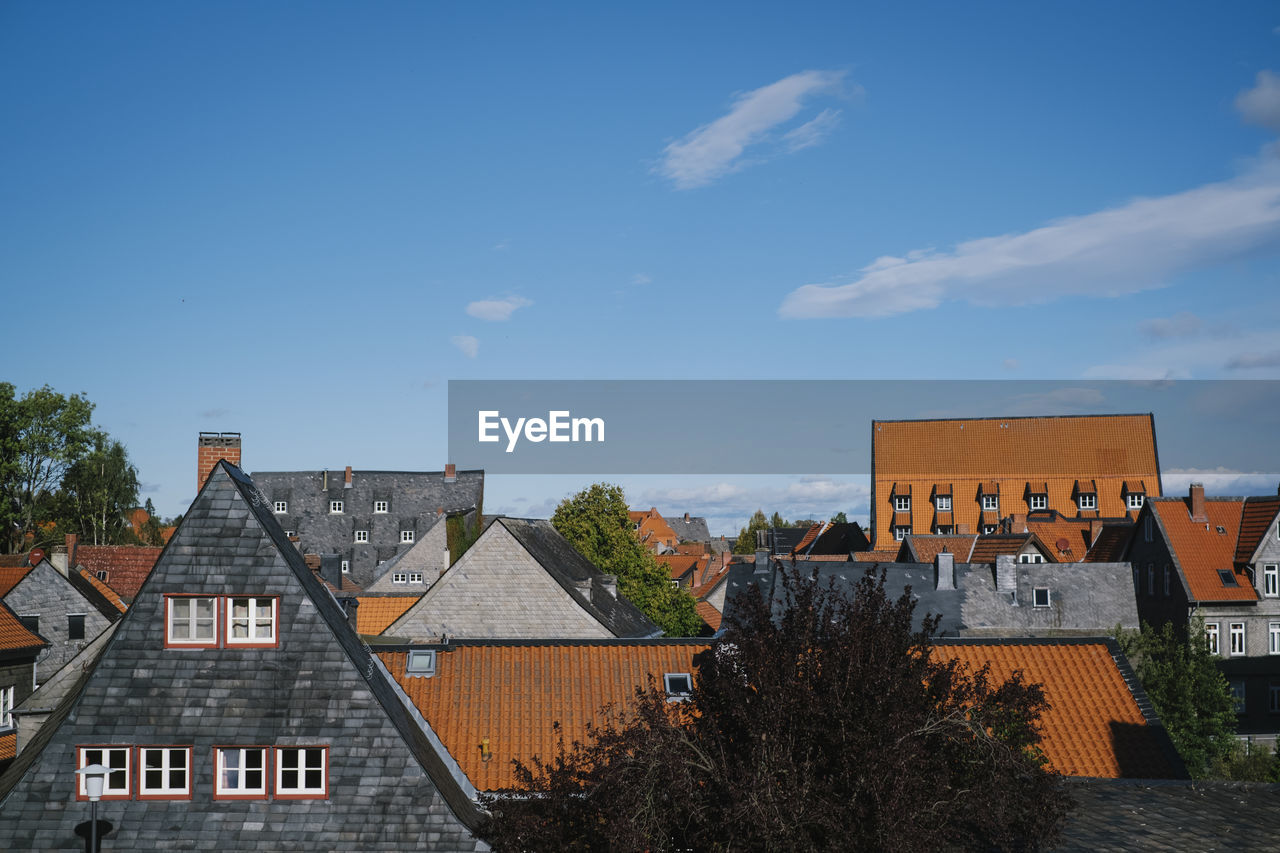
column 785, row 539
column 840, row 539
column 693, row 530
column 564, row 563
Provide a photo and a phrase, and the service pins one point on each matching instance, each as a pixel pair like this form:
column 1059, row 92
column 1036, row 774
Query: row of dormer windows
column 991, row 503
column 335, row 507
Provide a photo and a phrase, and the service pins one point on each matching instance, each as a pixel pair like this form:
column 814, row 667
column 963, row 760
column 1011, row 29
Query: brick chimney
column 212, row 447
column 71, row 550
column 1018, row 522
column 346, row 478
column 1197, row 503
column 450, row 472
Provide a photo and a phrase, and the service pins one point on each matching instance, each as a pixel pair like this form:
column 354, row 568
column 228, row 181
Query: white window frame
column 167, row 767
column 900, row 532
column 362, row 536
column 1273, row 638
column 988, row 529
column 1031, row 557
column 1087, row 502
column 110, row 790
column 240, row 790
column 301, row 767
column 381, row 506
column 346, row 567
column 399, row 577
column 944, row 529
column 6, row 707
column 193, row 621
column 902, row 503
column 1038, row 502
column 943, row 503
column 335, row 507
column 1035, row 597
column 1134, row 500
column 1211, row 637
column 990, row 503
column 1271, row 580
column 406, row 537
column 280, row 507
column 675, row 695
column 1239, row 644
column 253, row 620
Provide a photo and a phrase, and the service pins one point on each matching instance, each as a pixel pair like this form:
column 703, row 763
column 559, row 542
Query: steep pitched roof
column 682, row 564
column 1203, row 549
column 108, row 594
column 1099, row 724
column 127, row 566
column 16, row 637
column 987, row 548
column 652, row 529
column 839, row 539
column 513, row 693
column 11, row 576
column 1255, row 519
column 708, row 613
column 690, row 528
column 1111, row 544
column 376, row 612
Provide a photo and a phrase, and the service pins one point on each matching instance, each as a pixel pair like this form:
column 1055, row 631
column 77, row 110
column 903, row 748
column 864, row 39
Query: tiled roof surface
column 11, row 576
column 1254, row 521
column 1050, row 453
column 1093, row 726
column 12, row 561
column 710, row 582
column 107, row 592
column 681, row 564
column 8, row 746
column 14, row 635
column 513, row 694
column 1201, row 550
column 987, row 548
column 1055, row 528
column 376, row 612
column 710, row 615
column 127, row 566
column 1110, row 545
column 810, row 535
column 875, row 556
column 653, row 528
column 927, row 547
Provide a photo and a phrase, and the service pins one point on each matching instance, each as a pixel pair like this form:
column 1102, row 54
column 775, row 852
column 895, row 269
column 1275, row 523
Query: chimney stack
column 1197, row 503
column 1006, row 573
column 213, row 446
column 346, row 478
column 1019, row 522
column 450, row 473
column 686, row 518
column 71, row 551
column 349, row 607
column 946, row 565
column 331, row 570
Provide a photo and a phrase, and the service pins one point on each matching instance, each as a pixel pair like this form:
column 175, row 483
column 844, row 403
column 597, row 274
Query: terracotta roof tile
column 875, row 556
column 8, row 746
column 710, row 615
column 927, row 548
column 1093, row 726
column 107, row 592
column 376, row 613
column 1111, row 544
column 11, row 576
column 14, row 635
column 127, row 566
column 807, row 540
column 827, row 558
column 652, row 529
column 681, row 564
column 1254, row 521
column 1204, row 548
column 514, row 694
column 987, row 548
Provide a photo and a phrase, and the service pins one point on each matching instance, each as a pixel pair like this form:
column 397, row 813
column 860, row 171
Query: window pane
column 204, row 608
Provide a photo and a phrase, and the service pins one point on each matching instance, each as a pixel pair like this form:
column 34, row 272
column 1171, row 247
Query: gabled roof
column 127, row 566
column 682, row 564
column 1099, row 723
column 652, row 529
column 375, row 613
column 1255, row 520
column 708, row 613
column 810, row 535
column 839, row 539
column 11, row 576
column 108, row 594
column 926, row 547
column 690, row 528
column 16, row 637
column 987, row 548
column 514, row 692
column 1202, row 549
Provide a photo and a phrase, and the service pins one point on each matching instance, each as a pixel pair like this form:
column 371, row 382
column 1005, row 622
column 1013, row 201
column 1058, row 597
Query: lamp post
column 95, row 776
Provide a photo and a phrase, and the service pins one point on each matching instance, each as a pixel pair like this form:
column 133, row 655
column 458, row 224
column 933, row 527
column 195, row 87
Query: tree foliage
column 840, row 518
column 1181, row 677
column 833, row 727
column 595, row 520
column 98, row 491
column 746, row 541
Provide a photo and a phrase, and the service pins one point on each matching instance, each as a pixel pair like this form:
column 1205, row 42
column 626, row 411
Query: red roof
column 1203, row 548
column 107, row 592
column 681, row 564
column 10, row 576
column 127, row 566
column 710, row 615
column 14, row 635
column 1254, row 522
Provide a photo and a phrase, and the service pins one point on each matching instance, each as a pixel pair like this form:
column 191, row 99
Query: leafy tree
column 1188, row 691
column 746, row 541
column 834, row 727
column 595, row 520
column 1258, row 764
column 840, row 518
column 776, row 520
column 152, row 532
column 98, row 491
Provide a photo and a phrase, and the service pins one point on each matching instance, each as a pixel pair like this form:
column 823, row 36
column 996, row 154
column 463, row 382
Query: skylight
column 1228, row 579
column 679, row 685
column 422, row 663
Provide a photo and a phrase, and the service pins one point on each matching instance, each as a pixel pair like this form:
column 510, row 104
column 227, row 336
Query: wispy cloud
column 716, row 149
column 1250, row 360
column 1121, row 250
column 1181, row 325
column 496, row 310
column 640, row 279
column 215, row 413
column 1218, row 481
column 468, row 345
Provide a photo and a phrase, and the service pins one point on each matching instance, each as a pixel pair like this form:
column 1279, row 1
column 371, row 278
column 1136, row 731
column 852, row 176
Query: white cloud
column 1218, row 481
column 715, row 149
column 812, row 132
column 1251, row 360
column 1184, row 324
column 469, row 346
column 1199, row 356
column 640, row 279
column 1261, row 104
column 496, row 310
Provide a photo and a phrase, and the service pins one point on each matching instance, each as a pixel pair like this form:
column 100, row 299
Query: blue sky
column 298, row 221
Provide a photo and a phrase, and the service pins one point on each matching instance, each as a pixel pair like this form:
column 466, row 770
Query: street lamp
column 95, row 776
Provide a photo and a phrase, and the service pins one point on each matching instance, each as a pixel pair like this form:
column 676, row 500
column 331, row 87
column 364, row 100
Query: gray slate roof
column 693, row 530
column 390, row 785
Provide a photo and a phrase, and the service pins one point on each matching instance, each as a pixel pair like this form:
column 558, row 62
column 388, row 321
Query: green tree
column 595, row 520
column 840, row 518
column 1187, row 690
column 746, row 541
column 152, row 532
column 98, row 491
column 776, row 520
column 834, row 727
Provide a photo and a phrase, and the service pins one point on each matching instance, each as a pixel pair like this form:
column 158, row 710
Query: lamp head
column 95, row 777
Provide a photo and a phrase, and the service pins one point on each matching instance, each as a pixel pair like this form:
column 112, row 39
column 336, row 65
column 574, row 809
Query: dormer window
column 406, row 536
column 1031, row 557
column 943, row 503
column 900, row 532
column 988, row 529
column 1087, row 502
column 335, row 507
column 944, row 529
column 415, row 577
column 379, row 506
column 1040, row 597
column 902, row 503
column 280, row 507
column 990, row 503
column 678, row 685
column 399, row 577
column 1134, row 500
column 421, row 663
column 346, row 567
column 1038, row 502
column 362, row 536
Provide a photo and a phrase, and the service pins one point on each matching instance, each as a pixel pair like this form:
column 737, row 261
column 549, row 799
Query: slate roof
column 693, row 530
column 16, row 638
column 786, row 540
column 1255, row 520
column 564, row 563
column 390, row 786
column 513, row 692
column 1099, row 723
column 127, row 566
column 1201, row 549
column 376, row 612
column 839, row 540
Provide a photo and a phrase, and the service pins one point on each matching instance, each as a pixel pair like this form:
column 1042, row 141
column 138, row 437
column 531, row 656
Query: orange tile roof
column 810, row 535
column 652, row 529
column 927, row 547
column 1093, row 726
column 710, row 582
column 14, row 635
column 513, row 694
column 127, row 566
column 710, row 615
column 1254, row 521
column 1056, row 529
column 681, row 564
column 8, row 746
column 876, row 556
column 11, row 576
column 1010, row 454
column 1201, row 550
column 987, row 548
column 107, row 592
column 376, row 612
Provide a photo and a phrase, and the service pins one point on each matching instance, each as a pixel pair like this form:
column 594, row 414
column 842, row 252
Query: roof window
column 679, row 685
column 422, row 663
column 1228, row 579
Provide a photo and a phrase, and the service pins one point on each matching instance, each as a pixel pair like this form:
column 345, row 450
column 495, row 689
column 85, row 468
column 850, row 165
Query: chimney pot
column 346, row 478
column 450, row 472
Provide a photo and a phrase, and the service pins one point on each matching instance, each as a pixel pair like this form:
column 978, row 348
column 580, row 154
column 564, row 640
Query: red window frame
column 268, row 772
column 168, row 615
column 141, row 770
column 131, row 768
column 277, row 766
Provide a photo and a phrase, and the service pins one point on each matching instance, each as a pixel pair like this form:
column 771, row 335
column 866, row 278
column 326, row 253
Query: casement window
column 164, row 772
column 415, row 577
column 1031, row 558
column 1087, row 501
column 900, row 532
column 399, row 577
column 251, row 621
column 1237, row 638
column 1271, row 580
column 1039, row 502
column 1238, row 694
column 280, row 507
column 6, row 707
column 362, row 536
column 1040, row 597
column 118, row 758
column 101, row 575
column 943, row 503
column 944, row 530
column 678, row 686
column 1134, row 500
column 302, row 772
column 902, row 503
column 75, row 626
column 990, row 503
column 380, row 506
column 1273, row 638
column 192, row 621
column 1211, row 638
column 1273, row 705
column 240, row 773
column 346, row 567
column 335, row 507
column 406, row 536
